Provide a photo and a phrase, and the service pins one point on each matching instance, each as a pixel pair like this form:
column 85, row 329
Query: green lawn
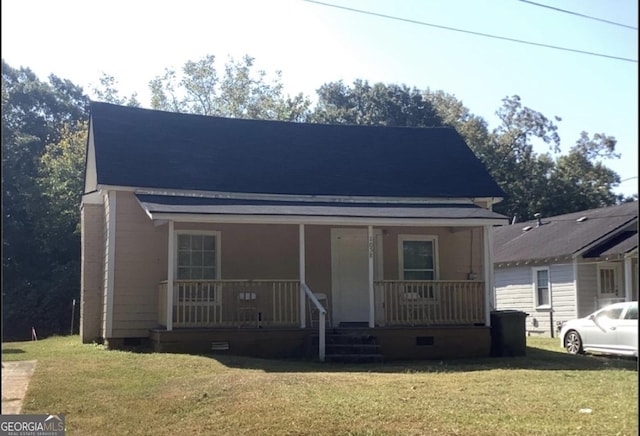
column 117, row 393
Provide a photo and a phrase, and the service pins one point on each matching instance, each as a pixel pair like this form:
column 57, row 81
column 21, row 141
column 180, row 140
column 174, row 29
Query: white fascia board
column 320, row 220
column 90, row 175
column 95, row 197
column 288, row 197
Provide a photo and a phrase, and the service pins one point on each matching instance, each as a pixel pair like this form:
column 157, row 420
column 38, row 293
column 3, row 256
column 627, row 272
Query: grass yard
column 105, row 392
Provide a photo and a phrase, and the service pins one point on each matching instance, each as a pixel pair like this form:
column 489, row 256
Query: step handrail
column 321, row 321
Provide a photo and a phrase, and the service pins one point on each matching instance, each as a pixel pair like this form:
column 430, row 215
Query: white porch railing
column 231, row 303
column 321, row 320
column 276, row 303
column 430, row 302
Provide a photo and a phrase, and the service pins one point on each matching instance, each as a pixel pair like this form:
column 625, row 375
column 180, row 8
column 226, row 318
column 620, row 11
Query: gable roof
column 608, row 230
column 141, row 148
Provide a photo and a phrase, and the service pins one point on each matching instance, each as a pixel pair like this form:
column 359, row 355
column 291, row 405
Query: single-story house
column 259, row 238
column 567, row 266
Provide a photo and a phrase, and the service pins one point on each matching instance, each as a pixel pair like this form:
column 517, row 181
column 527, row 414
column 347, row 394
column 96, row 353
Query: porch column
column 303, row 320
column 628, row 279
column 489, row 292
column 170, row 266
column 371, row 290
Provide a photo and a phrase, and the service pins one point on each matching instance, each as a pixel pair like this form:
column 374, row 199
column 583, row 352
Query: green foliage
column 380, row 104
column 33, row 113
column 240, row 93
column 108, row 93
column 44, row 136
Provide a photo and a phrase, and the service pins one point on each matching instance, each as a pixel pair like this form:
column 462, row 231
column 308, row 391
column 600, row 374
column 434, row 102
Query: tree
column 32, row 114
column 241, row 93
column 380, row 104
column 108, row 93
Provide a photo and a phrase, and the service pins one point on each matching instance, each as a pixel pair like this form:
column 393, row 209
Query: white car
column 610, row 330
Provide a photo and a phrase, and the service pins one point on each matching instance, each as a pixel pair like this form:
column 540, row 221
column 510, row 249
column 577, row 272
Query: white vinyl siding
column 514, row 292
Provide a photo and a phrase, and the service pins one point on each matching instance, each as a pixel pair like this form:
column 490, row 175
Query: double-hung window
column 197, row 264
column 197, row 257
column 541, row 287
column 418, row 262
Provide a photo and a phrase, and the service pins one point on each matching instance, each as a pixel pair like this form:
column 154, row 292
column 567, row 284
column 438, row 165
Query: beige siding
column 587, row 284
column 458, row 254
column 140, row 264
column 91, row 275
column 255, row 251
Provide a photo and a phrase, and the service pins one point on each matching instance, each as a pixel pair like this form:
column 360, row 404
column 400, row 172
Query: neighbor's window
column 418, row 257
column 541, row 286
column 607, row 280
column 197, row 256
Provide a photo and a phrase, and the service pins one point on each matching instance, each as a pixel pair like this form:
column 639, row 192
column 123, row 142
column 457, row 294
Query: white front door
column 350, row 275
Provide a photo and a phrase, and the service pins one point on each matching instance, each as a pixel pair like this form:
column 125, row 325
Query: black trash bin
column 508, row 333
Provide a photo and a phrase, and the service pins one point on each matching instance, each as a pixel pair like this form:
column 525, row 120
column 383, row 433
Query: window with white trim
column 418, row 261
column 418, row 257
column 197, row 255
column 541, row 287
column 607, row 280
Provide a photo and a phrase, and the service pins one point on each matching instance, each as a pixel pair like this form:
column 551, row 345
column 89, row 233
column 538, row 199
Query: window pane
column 184, row 274
column 209, row 258
column 184, row 258
column 543, row 296
column 543, row 279
column 184, row 242
column 208, row 273
column 196, row 242
column 209, row 243
column 418, row 275
column 196, row 258
column 418, row 255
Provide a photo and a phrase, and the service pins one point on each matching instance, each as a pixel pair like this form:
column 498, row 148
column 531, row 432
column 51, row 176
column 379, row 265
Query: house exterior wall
column 458, row 254
column 269, row 251
column 140, row 264
column 587, row 288
column 91, row 274
column 515, row 291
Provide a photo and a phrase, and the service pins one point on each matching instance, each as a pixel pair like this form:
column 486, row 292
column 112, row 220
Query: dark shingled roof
column 153, row 149
column 563, row 235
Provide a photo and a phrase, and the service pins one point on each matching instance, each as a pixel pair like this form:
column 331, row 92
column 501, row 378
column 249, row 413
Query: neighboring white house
column 567, row 266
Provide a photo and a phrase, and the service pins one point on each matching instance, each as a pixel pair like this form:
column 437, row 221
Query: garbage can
column 508, row 333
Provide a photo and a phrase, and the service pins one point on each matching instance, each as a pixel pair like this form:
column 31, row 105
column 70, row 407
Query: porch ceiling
column 174, row 207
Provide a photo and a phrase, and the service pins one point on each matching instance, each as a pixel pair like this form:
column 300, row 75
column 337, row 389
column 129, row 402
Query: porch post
column 303, row 320
column 170, row 260
column 371, row 290
column 489, row 302
column 628, row 279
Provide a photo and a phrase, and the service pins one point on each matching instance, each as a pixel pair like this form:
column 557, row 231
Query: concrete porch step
column 354, row 358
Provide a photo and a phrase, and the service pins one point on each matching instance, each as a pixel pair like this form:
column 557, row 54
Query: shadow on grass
column 12, row 351
column 535, row 359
